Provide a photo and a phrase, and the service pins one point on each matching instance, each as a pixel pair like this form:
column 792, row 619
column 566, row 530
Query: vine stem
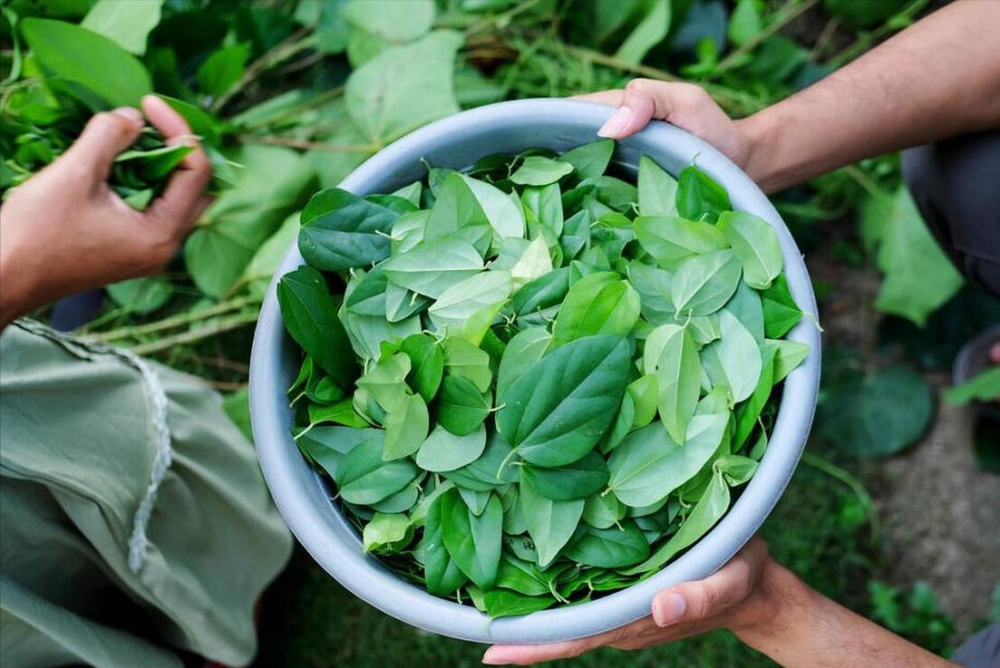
column 195, row 334
column 849, row 479
column 276, row 140
column 736, row 55
column 300, row 40
column 173, row 321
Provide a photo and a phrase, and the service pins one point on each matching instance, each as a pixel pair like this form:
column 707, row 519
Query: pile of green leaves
column 557, row 376
column 55, row 91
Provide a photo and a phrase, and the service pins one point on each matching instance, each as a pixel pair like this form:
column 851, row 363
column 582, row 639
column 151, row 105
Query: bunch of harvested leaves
column 556, row 375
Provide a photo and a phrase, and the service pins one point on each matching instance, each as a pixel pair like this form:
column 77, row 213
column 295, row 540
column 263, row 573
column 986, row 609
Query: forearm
column 799, row 628
column 939, row 78
column 12, row 288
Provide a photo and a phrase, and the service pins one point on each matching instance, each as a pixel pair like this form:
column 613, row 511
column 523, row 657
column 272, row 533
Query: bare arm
column 938, row 78
column 766, row 605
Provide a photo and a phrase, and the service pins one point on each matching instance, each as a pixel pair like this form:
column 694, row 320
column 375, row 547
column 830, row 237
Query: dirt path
column 941, row 517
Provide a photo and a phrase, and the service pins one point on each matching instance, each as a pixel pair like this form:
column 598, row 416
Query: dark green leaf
column 615, row 547
column 567, row 483
column 473, row 542
column 341, row 230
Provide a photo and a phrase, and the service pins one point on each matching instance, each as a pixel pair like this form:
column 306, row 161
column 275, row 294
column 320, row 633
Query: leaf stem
column 849, row 479
column 276, row 140
column 174, row 321
column 196, row 334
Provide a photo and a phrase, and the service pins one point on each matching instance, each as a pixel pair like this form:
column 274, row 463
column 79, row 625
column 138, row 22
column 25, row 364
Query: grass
column 310, row 621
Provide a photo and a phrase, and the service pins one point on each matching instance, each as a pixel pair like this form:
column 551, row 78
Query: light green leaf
column 461, row 407
column 522, row 352
column 222, row 69
column 745, row 22
column 268, row 257
column 406, row 425
column 788, row 355
column 678, row 376
column 142, row 295
column 462, row 358
column 550, row 523
column 127, row 23
column 704, row 283
column 386, row 533
column 462, row 300
column 404, row 87
column 456, row 207
column 982, row 387
column 395, row 21
column 590, row 160
column 736, row 356
column 756, row 245
column 538, row 171
column 443, row 451
column 651, row 31
column 919, row 278
column 671, row 240
column 431, row 267
column 535, row 262
column 506, row 218
column 649, row 465
column 364, row 478
column 657, row 190
column 600, row 303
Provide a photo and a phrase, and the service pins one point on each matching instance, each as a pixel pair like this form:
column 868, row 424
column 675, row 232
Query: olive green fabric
column 134, row 521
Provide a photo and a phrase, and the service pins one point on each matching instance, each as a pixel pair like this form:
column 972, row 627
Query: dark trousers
column 956, row 184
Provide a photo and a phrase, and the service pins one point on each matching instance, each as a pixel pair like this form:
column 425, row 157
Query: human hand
column 65, row 230
column 737, row 597
column 685, row 105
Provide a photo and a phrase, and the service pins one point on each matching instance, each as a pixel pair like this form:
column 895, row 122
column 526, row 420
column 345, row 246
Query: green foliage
column 510, row 370
column 983, row 387
column 914, row 615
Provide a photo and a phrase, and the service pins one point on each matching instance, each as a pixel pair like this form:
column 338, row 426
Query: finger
column 105, row 136
column 181, row 201
column 645, row 99
column 703, row 599
column 609, row 97
column 526, row 655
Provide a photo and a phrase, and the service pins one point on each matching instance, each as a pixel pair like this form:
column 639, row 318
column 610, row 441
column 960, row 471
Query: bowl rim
column 317, row 528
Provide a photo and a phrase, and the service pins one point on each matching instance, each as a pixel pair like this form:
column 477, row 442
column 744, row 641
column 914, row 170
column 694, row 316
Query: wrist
column 772, row 607
column 759, row 135
column 15, row 290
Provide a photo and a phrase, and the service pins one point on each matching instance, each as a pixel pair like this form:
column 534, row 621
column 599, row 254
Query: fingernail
column 617, row 123
column 491, row 658
column 668, row 608
column 129, row 113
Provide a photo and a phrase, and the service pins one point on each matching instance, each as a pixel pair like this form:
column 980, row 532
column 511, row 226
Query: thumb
column 106, row 135
column 704, row 599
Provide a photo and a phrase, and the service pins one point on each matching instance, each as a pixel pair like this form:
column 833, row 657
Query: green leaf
column 699, row 196
column 341, row 230
column 503, row 215
column 326, row 446
column 441, row 573
column 567, row 483
column 233, row 228
column 550, row 523
column 600, row 303
column 127, row 23
column 651, row 31
column 746, row 417
column 461, row 301
column 340, row 412
column 710, row 508
column 462, row 358
column 431, row 267
column 456, row 206
column 142, row 295
column 733, row 361
column 266, row 261
column 704, row 283
column 645, row 393
column 678, row 378
column 671, row 240
column 79, row 61
column 982, row 387
column 880, row 415
column 614, row 547
column 559, row 409
column 503, row 603
column 311, row 319
column 520, row 576
column 404, row 87
column 746, row 306
column 461, row 408
column 590, row 160
column 406, row 426
column 781, row 313
column 394, row 21
column 534, row 264
column 788, row 355
column 657, row 191
column 491, row 470
column 400, row 502
column 223, row 69
column 538, row 171
column 919, row 278
column 386, row 380
column 364, row 478
column 386, row 533
column 427, row 364
column 745, row 22
column 756, row 245
column 602, row 511
column 649, row 465
column 474, row 543
column 443, row 451
column 522, row 352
